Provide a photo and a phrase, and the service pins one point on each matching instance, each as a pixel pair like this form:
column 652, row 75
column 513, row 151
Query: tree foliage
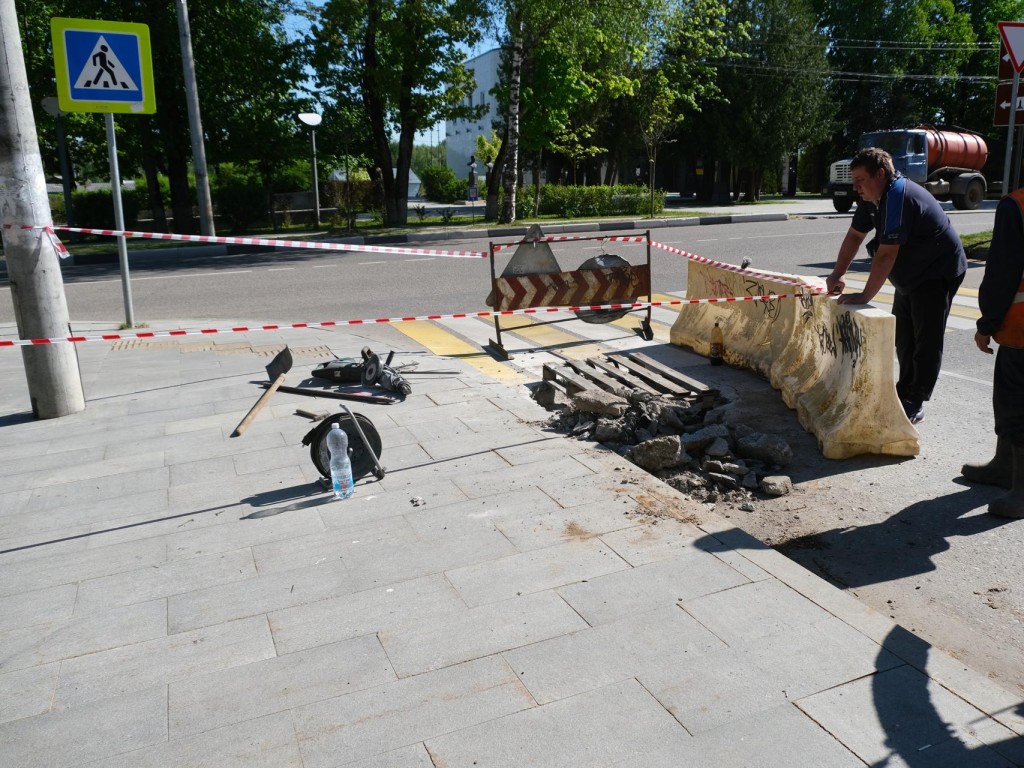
column 398, row 65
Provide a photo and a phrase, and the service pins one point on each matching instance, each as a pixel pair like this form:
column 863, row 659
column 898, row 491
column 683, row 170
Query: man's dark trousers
column 921, row 316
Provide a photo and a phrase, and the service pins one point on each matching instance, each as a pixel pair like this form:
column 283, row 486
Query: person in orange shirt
column 1001, row 301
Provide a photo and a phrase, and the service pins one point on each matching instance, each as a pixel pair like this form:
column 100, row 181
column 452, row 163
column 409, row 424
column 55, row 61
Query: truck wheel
column 842, row 204
column 974, row 195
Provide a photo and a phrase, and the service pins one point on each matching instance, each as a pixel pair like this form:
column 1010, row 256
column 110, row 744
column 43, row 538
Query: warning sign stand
column 533, row 278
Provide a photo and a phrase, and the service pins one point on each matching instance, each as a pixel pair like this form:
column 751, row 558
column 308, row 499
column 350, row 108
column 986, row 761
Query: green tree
column 564, row 63
column 895, row 62
column 775, row 97
column 247, row 85
column 401, row 60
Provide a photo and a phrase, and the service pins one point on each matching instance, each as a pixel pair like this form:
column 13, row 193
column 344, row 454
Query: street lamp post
column 312, row 119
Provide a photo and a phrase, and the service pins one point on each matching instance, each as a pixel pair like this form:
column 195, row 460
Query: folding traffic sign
column 1012, row 34
column 103, row 66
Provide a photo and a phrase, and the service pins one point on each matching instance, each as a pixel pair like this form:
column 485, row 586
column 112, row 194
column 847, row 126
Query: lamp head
column 312, row 119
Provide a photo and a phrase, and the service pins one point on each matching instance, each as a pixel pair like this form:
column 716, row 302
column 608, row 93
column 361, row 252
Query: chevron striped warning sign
column 588, row 286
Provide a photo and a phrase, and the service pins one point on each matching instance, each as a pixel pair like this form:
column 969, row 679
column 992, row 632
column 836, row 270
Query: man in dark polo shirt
column 919, row 253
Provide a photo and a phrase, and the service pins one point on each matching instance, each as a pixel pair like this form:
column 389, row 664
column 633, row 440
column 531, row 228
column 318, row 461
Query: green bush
column 297, row 176
column 239, row 197
column 440, row 185
column 572, row 201
column 57, row 213
column 95, row 210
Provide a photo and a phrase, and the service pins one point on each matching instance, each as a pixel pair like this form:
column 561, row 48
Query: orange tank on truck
column 948, row 164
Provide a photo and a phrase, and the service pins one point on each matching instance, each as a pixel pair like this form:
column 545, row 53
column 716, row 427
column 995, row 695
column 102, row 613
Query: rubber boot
column 999, row 469
column 1012, row 504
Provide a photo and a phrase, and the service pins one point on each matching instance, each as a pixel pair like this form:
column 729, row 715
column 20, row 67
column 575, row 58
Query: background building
column 460, row 135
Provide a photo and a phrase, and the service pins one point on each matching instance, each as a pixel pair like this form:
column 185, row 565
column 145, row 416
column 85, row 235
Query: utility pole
column 195, row 123
column 37, row 288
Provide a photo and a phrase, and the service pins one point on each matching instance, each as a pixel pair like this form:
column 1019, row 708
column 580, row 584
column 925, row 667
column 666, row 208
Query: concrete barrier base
column 835, row 365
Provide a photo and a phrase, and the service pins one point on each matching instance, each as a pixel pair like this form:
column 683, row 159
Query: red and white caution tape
column 308, row 244
column 563, row 238
column 734, row 268
column 136, row 335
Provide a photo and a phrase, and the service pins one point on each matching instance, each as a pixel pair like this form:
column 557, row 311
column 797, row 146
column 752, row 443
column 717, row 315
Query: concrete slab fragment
column 616, row 724
column 379, row 720
column 457, row 637
column 534, row 571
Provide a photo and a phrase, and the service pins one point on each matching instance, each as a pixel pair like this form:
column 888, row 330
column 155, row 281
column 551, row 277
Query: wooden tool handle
column 244, row 423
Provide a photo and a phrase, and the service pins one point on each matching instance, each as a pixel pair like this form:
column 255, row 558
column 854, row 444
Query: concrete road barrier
column 835, row 365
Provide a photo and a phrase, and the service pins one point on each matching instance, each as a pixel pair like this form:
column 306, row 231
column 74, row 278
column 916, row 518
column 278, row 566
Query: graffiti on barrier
column 845, row 338
column 826, row 341
column 806, row 306
column 851, row 337
column 720, row 288
column 770, row 308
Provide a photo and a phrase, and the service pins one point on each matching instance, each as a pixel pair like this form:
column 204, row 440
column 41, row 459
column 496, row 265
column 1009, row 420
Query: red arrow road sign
column 1001, row 115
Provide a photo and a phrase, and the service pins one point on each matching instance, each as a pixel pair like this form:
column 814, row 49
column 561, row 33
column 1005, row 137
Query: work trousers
column 1008, row 394
column 921, row 316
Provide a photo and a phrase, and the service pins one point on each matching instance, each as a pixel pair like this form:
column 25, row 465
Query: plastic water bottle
column 341, row 466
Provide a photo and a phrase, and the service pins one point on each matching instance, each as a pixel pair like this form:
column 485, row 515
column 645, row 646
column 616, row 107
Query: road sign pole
column 122, row 247
column 1009, row 133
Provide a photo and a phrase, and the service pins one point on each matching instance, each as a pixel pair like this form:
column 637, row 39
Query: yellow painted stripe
column 660, row 329
column 549, row 337
column 958, row 310
column 442, row 342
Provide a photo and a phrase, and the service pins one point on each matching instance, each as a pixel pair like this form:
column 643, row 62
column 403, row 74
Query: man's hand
column 854, row 298
column 981, row 341
column 835, row 284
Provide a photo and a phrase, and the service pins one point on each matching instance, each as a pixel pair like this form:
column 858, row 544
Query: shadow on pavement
column 901, row 545
column 908, row 705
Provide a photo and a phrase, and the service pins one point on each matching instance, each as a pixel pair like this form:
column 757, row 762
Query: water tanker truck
column 946, row 163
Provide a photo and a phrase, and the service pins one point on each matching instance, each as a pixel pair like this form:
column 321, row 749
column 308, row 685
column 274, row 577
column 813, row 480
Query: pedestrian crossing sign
column 103, row 66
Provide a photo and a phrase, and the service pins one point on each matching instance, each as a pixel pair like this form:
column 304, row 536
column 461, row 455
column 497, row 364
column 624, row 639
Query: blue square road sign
column 102, row 66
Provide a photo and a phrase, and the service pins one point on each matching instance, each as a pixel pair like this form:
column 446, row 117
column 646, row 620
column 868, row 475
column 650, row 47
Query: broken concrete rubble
column 702, row 452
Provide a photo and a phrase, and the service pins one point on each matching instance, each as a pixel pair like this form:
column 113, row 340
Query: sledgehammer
column 276, row 370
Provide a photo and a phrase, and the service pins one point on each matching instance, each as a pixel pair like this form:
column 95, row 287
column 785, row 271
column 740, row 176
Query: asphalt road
column 310, row 286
